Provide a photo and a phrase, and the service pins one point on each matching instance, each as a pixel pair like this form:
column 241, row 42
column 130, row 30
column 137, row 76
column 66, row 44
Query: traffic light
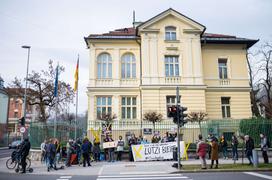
column 178, row 114
column 22, row 121
column 183, row 115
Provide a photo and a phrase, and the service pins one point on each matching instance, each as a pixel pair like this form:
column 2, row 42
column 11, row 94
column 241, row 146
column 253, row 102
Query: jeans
column 265, row 157
column 68, row 159
column 86, row 158
column 78, row 156
column 203, row 162
column 111, row 155
column 225, row 152
column 119, row 155
column 234, row 153
column 249, row 156
column 57, row 158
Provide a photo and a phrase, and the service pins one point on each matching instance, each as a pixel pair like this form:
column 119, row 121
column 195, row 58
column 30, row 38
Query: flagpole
column 76, row 97
column 56, row 105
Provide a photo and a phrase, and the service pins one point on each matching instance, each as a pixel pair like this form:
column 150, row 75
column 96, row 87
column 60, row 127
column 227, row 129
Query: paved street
column 154, row 176
column 5, row 153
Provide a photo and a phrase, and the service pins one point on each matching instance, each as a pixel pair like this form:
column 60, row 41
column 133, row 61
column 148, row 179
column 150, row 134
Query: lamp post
column 27, row 67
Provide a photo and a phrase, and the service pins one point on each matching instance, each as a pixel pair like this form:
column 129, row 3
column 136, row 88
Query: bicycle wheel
column 28, row 163
column 11, row 164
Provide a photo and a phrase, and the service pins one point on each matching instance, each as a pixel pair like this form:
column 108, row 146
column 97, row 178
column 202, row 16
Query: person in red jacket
column 202, row 151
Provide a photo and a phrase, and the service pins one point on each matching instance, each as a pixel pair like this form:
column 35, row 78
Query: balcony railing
column 224, row 82
column 104, row 82
column 125, row 82
column 172, row 80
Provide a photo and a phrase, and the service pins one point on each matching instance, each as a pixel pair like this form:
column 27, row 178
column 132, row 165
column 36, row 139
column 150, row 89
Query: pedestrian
column 234, row 146
column 132, row 141
column 50, row 155
column 209, row 142
column 120, row 148
column 24, row 151
column 214, row 153
column 264, row 147
column 166, row 138
column 86, row 148
column 201, row 151
column 249, row 148
column 43, row 150
column 69, row 150
column 224, row 146
column 96, row 149
column 144, row 141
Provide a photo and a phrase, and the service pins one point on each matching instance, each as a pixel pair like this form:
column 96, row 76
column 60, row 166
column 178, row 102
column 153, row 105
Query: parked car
column 14, row 144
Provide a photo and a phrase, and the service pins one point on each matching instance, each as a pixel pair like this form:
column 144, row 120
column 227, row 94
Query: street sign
column 147, row 131
column 22, row 129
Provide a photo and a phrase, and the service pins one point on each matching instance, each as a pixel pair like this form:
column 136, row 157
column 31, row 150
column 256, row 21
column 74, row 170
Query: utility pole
column 178, row 124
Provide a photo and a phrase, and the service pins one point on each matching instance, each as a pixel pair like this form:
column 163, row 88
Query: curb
column 222, row 170
column 4, row 148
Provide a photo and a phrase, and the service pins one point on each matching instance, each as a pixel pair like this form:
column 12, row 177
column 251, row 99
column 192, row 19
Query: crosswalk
column 143, row 176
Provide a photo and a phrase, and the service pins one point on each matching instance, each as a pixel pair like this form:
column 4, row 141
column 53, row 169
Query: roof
column 17, row 91
column 207, row 38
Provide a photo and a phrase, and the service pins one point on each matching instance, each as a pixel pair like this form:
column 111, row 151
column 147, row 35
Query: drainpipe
column 141, row 107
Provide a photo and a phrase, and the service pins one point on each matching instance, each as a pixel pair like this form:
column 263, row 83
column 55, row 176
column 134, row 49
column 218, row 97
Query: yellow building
column 135, row 70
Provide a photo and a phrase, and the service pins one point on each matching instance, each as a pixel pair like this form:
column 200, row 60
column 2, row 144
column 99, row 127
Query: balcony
column 173, row 80
column 224, row 82
column 129, row 82
column 104, row 82
column 233, row 82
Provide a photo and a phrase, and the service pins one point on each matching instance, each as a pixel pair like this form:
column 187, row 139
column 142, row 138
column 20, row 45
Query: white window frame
column 224, row 68
column 125, row 106
column 106, row 105
column 171, row 102
column 128, row 62
column 174, row 62
column 225, row 107
column 170, row 33
column 104, row 59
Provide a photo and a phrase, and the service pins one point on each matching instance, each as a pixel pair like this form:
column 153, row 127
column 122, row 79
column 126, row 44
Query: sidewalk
column 124, row 167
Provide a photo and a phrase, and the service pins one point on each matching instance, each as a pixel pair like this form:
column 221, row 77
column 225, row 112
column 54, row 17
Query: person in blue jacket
column 86, row 149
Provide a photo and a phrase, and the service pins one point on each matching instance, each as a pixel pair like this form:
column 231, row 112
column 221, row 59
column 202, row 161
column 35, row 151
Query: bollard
column 255, row 158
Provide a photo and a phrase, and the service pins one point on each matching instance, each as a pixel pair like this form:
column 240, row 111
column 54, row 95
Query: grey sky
column 55, row 29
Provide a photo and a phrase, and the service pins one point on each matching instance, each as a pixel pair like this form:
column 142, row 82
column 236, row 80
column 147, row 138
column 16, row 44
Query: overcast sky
column 55, row 28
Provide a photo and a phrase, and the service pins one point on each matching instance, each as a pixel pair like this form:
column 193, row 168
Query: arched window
column 170, row 33
column 104, row 66
column 128, row 66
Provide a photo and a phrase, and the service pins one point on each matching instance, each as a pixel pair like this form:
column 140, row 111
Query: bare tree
column 153, row 117
column 41, row 93
column 265, row 82
column 197, row 117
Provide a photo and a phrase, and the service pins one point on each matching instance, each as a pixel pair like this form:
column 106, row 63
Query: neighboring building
column 4, row 100
column 16, row 111
column 135, row 70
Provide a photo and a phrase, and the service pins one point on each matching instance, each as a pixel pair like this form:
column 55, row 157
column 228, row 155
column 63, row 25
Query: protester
column 224, row 146
column 69, row 150
column 209, row 143
column 131, row 141
column 156, row 139
column 234, row 146
column 201, row 151
column 144, row 141
column 120, row 148
column 110, row 150
column 96, row 150
column 166, row 138
column 86, row 148
column 77, row 146
column 43, row 151
column 139, row 140
column 249, row 148
column 24, row 151
column 214, row 153
column 264, row 147
column 57, row 145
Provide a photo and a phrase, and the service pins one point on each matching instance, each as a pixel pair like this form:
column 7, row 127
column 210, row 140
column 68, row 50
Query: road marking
column 65, row 177
column 101, row 170
column 131, row 178
column 144, row 172
column 62, row 179
column 161, row 175
column 259, row 175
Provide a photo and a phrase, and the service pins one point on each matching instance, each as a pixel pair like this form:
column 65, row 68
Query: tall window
column 104, row 66
column 170, row 33
column 128, row 66
column 223, row 69
column 171, row 66
column 170, row 101
column 129, row 108
column 103, row 106
column 225, row 106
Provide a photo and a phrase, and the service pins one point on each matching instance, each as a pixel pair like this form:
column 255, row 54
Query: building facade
column 4, row 103
column 136, row 70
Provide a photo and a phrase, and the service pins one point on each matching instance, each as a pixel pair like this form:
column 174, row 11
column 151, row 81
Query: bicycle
column 15, row 159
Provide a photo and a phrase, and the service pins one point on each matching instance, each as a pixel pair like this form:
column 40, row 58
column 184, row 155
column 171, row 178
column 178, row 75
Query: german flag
column 76, row 76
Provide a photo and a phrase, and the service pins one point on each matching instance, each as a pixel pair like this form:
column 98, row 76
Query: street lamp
column 28, row 53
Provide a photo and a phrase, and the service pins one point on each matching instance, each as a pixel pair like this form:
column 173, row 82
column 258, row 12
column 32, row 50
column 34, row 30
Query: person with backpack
column 264, row 147
column 24, row 151
column 249, row 148
column 86, row 149
column 50, row 155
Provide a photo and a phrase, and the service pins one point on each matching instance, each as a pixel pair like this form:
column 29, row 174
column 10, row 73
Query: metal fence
column 189, row 133
column 40, row 131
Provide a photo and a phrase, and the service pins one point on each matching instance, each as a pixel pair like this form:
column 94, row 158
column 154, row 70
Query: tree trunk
column 154, row 128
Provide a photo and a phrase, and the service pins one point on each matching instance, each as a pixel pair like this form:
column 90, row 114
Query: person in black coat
column 24, row 151
column 249, row 148
column 86, row 149
column 131, row 141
